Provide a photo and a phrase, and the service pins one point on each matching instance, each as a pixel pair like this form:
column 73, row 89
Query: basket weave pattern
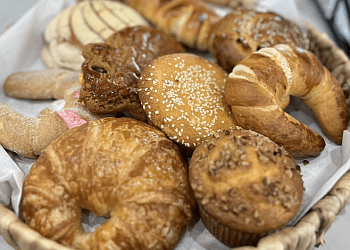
column 309, row 231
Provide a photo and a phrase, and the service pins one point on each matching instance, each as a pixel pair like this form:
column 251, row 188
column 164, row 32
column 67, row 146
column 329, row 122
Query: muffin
column 245, row 185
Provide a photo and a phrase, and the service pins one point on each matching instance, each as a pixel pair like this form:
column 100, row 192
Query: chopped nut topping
column 256, row 214
column 261, row 223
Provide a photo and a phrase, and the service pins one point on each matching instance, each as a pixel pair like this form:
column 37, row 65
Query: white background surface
column 338, row 237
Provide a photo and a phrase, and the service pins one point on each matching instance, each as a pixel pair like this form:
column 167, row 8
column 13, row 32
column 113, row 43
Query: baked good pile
column 170, row 113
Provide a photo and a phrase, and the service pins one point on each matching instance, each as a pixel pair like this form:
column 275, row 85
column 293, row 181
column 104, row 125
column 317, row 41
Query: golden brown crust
column 42, row 84
column 295, row 72
column 245, row 182
column 183, row 95
column 190, row 21
column 117, row 167
column 245, row 31
column 235, row 3
column 111, row 70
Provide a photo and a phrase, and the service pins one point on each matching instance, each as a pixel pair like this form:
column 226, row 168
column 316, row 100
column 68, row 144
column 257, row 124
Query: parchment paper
column 20, row 50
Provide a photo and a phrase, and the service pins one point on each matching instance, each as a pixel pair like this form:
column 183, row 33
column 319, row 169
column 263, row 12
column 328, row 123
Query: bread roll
column 244, row 31
column 183, row 95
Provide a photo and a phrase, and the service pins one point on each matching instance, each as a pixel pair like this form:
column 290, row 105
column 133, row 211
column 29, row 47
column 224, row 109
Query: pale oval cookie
column 183, row 95
column 83, row 23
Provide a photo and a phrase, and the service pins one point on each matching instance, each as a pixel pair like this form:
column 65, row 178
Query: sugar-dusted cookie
column 42, row 84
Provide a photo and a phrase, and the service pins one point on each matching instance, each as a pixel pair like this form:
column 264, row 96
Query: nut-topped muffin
column 245, row 185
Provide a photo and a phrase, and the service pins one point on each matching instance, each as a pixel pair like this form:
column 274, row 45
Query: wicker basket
column 305, row 235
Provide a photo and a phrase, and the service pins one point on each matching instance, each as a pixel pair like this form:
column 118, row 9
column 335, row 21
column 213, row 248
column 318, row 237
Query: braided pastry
column 259, row 88
column 117, row 167
column 235, row 3
column 190, row 21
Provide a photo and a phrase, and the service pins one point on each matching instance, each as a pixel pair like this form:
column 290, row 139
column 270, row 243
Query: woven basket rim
column 307, row 233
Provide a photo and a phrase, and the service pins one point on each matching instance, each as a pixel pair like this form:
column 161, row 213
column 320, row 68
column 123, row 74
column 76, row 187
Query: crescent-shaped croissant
column 259, row 89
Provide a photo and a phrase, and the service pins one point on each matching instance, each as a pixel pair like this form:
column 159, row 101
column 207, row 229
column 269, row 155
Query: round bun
column 183, row 95
column 110, row 71
column 245, row 31
column 82, row 23
column 115, row 167
column 245, row 186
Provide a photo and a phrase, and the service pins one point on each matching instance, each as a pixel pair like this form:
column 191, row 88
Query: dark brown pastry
column 110, row 71
column 119, row 168
column 245, row 186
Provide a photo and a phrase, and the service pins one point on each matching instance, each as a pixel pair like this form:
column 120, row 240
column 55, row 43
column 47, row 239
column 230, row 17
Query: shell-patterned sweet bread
column 259, row 89
column 82, row 23
column 111, row 70
column 42, row 84
column 244, row 31
column 189, row 21
column 29, row 136
column 118, row 168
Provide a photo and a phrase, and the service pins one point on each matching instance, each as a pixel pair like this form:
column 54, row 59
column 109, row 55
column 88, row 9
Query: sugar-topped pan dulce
column 259, row 89
column 82, row 23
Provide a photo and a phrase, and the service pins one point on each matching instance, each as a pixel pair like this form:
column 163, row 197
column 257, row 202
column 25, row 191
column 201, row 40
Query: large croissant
column 259, row 88
column 190, row 21
column 118, row 168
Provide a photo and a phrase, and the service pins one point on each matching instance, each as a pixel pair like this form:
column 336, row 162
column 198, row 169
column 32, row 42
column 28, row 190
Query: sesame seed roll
column 183, row 95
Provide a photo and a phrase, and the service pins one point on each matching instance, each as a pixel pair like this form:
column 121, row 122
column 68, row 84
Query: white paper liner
column 21, row 46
